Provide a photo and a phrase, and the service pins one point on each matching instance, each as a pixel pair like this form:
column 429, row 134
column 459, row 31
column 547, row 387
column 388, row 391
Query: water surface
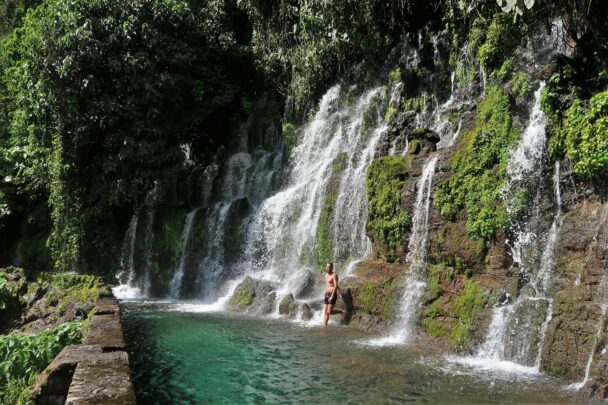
column 202, row 358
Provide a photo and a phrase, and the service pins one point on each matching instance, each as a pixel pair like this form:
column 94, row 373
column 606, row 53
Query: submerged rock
column 306, row 312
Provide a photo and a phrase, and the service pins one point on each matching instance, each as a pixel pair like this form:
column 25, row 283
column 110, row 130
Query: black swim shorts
column 328, row 296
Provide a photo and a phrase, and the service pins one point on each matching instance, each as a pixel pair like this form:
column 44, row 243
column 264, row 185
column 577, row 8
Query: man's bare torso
column 330, row 282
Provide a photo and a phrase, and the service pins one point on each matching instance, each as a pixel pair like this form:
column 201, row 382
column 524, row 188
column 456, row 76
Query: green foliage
column 500, row 40
column 289, row 135
column 97, row 96
column 11, row 13
column 585, row 136
column 384, row 213
column 479, row 169
column 304, row 45
column 7, row 291
column 520, row 86
column 23, row 357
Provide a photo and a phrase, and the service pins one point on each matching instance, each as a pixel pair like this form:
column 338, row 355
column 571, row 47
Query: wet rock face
column 578, row 328
column 525, row 331
column 253, row 296
column 371, row 297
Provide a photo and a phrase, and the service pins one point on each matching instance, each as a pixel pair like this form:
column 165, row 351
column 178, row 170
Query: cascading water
column 321, row 212
column 541, row 283
column 517, row 330
column 415, row 280
column 176, row 281
column 148, row 251
column 127, row 263
column 318, row 214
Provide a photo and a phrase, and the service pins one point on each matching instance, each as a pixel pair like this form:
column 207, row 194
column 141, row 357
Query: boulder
column 310, row 283
column 288, row 306
column 306, row 312
column 253, row 296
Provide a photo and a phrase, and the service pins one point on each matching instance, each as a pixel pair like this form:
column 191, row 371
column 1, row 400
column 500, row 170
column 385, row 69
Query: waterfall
column 243, row 228
column 149, row 238
column 514, row 328
column 127, row 263
column 547, row 262
column 176, row 281
column 325, row 182
column 415, row 280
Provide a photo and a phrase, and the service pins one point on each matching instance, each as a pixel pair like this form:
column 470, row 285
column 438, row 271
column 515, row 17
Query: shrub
column 385, row 216
column 479, row 169
column 23, row 357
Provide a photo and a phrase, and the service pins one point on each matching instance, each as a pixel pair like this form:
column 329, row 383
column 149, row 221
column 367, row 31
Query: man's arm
column 336, row 286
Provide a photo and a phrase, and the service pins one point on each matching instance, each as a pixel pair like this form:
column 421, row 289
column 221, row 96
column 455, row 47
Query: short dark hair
column 331, row 265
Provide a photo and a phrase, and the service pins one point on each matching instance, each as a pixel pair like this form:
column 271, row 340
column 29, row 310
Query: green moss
column 394, row 75
column 467, row 305
column 415, row 103
column 434, row 284
column 325, row 246
column 289, row 135
column 479, row 169
column 437, row 328
column 505, row 71
column 450, row 316
column 377, row 298
column 390, row 113
column 371, row 118
column 67, row 288
column 386, row 218
column 241, row 298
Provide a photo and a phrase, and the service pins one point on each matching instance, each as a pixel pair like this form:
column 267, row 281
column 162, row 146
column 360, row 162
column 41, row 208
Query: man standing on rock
column 331, row 290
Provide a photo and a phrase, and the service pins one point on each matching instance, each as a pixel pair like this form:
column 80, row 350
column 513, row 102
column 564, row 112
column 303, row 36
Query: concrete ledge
column 106, row 331
column 107, row 306
column 96, row 372
column 102, row 379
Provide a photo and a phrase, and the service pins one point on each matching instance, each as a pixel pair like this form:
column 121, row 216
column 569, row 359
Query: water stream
column 176, row 281
column 516, row 333
column 415, row 279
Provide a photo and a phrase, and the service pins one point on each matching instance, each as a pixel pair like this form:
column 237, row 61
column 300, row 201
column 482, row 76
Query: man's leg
column 326, row 314
column 336, row 311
